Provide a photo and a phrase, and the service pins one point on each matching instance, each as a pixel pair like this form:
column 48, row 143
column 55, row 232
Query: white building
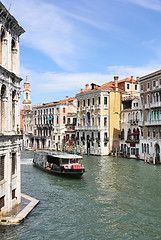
column 10, row 190
column 150, row 122
column 50, row 121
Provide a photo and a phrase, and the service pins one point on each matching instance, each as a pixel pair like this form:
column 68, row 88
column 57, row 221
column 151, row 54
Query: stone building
column 150, row 122
column 10, row 190
column 130, row 115
column 50, row 122
column 98, row 118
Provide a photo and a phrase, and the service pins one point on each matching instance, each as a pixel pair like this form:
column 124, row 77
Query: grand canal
column 116, row 199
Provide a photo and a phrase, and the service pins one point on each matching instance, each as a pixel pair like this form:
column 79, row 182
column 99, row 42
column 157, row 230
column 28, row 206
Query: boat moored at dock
column 59, row 163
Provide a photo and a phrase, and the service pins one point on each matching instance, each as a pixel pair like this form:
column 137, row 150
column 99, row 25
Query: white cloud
column 62, row 32
column 127, row 71
column 50, row 82
column 151, row 4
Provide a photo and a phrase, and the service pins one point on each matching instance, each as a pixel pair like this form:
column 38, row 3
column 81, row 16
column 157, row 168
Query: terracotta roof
column 109, row 86
column 85, row 91
column 126, row 80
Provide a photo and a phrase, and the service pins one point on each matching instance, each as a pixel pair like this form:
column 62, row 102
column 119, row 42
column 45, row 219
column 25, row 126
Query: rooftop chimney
column 137, row 78
column 67, row 96
column 116, row 82
column 81, row 90
column 86, row 86
column 132, row 78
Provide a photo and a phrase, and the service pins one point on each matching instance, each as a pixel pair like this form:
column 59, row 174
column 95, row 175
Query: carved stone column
column 14, row 60
column 5, row 52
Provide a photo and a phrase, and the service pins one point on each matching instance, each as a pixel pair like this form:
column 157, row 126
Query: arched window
column 27, row 96
column 13, row 110
column 3, row 113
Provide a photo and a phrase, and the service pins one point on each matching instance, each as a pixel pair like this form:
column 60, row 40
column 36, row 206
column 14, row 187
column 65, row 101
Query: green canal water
column 115, row 199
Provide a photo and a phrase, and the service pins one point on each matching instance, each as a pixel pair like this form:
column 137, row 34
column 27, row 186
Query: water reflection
column 115, row 199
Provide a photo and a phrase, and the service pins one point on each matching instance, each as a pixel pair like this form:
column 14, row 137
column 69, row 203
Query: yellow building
column 98, row 118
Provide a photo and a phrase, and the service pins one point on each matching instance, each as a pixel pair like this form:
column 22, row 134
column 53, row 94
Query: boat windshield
column 64, row 161
column 73, row 160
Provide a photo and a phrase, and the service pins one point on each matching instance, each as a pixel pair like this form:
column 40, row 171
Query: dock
column 19, row 212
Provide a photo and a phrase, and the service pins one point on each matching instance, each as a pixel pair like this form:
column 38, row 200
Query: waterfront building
column 10, row 183
column 51, row 122
column 150, row 122
column 98, row 118
column 70, row 133
column 130, row 115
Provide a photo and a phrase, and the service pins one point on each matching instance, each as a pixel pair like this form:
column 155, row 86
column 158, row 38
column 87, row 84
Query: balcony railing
column 152, row 123
column 88, row 128
column 155, row 105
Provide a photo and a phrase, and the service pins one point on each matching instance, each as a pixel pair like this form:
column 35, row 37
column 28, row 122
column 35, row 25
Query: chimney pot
column 67, row 96
column 116, row 82
column 81, row 90
column 132, row 78
column 86, row 86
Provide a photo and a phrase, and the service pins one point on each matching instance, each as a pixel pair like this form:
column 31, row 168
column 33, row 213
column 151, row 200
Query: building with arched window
column 10, row 184
column 151, row 116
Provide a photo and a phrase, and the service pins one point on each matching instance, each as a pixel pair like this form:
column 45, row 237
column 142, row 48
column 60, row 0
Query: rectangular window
column 153, row 84
column 78, row 104
column 105, row 121
column 99, row 121
column 88, row 102
column 148, row 132
column 136, row 87
column 99, row 100
column 92, row 121
column 105, row 100
column 84, row 102
column 154, row 133
column 13, row 193
column 63, row 110
column 93, row 101
column 13, row 163
column 68, row 120
column 58, row 138
column 141, row 87
column 2, row 167
column 128, row 86
column 148, row 85
column 1, row 202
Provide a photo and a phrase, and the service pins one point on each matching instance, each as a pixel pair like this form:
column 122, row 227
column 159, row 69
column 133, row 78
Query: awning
column 134, row 133
column 48, row 119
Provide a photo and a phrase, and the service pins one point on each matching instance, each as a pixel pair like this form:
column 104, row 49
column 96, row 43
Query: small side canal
column 115, row 199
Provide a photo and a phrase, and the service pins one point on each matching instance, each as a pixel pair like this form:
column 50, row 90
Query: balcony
column 141, row 123
column 87, row 128
column 155, row 105
column 152, row 123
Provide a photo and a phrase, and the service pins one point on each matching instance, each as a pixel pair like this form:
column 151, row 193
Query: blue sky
column 69, row 43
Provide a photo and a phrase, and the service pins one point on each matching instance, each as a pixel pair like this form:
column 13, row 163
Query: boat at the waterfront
column 59, row 163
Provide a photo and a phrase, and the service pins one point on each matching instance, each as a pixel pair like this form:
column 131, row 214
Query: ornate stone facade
column 10, row 190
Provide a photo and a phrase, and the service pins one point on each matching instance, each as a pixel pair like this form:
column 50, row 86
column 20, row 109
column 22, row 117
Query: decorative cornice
column 9, row 22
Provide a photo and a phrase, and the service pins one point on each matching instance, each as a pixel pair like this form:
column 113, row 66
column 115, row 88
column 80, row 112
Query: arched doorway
column 157, row 153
